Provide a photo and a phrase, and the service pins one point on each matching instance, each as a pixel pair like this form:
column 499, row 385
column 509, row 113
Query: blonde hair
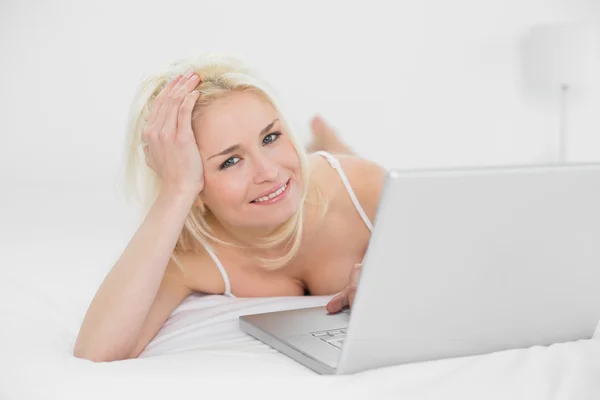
column 220, row 75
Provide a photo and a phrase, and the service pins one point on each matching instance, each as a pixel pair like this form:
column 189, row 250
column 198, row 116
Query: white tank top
column 336, row 165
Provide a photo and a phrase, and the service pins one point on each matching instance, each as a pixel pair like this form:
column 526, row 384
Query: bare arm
column 143, row 287
column 113, row 325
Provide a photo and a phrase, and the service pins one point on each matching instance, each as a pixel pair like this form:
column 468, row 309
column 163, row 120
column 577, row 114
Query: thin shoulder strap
column 214, row 257
column 334, row 162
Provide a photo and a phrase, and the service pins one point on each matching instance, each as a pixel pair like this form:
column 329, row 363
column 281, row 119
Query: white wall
column 410, row 84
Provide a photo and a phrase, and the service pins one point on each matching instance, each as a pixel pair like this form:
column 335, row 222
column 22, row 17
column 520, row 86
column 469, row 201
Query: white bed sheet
column 200, row 351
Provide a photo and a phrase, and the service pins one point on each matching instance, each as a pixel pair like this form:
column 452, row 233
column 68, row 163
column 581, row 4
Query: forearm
column 117, row 313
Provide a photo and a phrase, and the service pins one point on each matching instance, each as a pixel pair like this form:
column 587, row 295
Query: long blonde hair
column 220, row 75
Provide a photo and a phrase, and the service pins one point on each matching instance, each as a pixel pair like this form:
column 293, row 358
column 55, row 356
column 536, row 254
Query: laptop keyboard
column 334, row 337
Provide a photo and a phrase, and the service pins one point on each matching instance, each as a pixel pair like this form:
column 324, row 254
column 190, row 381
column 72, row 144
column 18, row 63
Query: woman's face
column 252, row 176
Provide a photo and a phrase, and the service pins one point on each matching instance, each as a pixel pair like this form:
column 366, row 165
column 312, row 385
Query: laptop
column 461, row 262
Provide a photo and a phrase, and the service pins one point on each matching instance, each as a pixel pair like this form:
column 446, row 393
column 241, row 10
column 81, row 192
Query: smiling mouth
column 273, row 195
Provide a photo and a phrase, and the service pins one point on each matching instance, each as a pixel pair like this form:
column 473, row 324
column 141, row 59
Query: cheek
column 225, row 190
column 288, row 157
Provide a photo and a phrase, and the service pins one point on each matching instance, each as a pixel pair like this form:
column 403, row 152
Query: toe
column 318, row 125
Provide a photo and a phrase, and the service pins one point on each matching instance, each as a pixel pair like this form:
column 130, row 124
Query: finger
column 355, row 274
column 338, row 302
column 351, row 295
column 158, row 100
column 189, row 83
column 173, row 115
column 167, row 105
column 334, row 305
column 184, row 119
column 148, row 158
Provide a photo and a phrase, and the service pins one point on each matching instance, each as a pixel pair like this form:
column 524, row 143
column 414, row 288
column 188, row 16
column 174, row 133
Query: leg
column 325, row 138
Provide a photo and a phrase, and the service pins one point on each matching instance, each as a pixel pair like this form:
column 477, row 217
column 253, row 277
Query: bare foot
column 325, row 138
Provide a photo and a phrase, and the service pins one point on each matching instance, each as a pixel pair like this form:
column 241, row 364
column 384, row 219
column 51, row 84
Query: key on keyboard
column 334, row 337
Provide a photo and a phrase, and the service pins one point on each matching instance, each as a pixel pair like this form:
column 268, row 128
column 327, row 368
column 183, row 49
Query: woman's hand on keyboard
column 346, row 297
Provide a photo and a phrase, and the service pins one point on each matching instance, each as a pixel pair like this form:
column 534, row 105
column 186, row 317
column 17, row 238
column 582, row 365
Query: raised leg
column 324, row 137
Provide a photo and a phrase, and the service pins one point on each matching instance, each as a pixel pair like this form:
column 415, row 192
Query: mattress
column 47, row 285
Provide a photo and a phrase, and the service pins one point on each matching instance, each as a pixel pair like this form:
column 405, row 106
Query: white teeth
column 272, row 195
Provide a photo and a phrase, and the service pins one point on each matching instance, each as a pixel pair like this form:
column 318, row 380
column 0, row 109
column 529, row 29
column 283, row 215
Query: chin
column 279, row 218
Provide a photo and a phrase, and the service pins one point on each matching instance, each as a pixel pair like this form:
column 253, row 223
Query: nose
column 265, row 170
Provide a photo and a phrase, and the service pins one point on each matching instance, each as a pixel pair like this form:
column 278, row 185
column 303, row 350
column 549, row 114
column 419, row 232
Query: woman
column 233, row 205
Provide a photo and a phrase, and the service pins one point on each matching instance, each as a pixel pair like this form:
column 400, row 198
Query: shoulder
column 366, row 178
column 197, row 271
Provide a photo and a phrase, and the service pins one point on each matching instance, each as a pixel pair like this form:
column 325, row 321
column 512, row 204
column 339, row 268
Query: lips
column 272, row 194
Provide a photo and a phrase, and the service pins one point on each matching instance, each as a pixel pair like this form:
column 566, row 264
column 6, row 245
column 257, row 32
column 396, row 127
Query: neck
column 248, row 238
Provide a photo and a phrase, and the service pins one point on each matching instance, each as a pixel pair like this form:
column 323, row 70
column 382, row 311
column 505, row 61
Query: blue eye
column 229, row 162
column 272, row 137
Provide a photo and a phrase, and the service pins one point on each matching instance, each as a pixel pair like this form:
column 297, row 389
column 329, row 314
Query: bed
column 200, row 351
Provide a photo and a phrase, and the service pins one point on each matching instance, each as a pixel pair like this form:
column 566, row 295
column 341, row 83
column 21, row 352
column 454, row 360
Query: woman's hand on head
column 346, row 297
column 170, row 146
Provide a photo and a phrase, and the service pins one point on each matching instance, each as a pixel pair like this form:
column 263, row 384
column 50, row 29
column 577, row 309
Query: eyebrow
column 235, row 147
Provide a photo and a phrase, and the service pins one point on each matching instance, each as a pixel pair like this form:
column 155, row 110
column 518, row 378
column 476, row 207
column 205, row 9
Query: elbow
column 89, row 356
column 94, row 355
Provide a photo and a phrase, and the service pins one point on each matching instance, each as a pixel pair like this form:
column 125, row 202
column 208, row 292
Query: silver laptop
column 461, row 262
